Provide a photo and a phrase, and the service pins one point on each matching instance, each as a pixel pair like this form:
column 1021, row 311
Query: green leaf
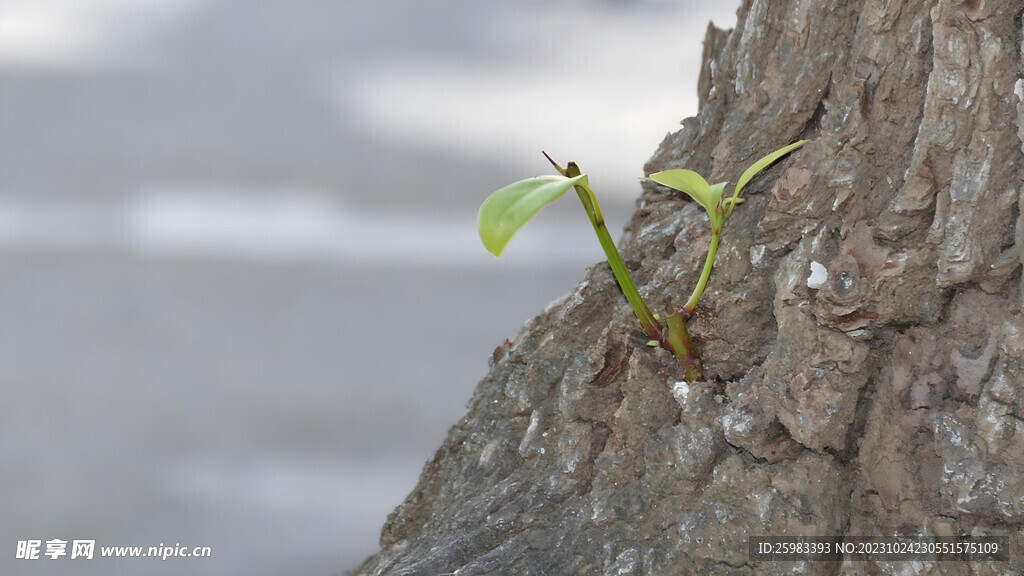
column 512, row 207
column 764, row 163
column 689, row 182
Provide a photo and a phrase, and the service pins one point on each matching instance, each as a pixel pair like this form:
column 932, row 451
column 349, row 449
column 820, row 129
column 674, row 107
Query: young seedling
column 515, row 205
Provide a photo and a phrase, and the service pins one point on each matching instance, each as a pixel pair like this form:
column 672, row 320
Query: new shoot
column 506, row 211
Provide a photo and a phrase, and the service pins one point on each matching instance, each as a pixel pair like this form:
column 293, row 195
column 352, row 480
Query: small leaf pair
column 710, row 195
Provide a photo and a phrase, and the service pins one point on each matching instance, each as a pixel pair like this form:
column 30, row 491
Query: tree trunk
column 888, row 399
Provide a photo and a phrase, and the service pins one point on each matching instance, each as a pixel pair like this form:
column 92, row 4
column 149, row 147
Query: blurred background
column 241, row 293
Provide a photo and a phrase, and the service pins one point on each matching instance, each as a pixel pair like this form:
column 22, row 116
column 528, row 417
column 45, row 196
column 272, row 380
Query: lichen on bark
column 889, row 399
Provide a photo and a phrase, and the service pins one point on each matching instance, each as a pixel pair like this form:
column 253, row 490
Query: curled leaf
column 509, row 209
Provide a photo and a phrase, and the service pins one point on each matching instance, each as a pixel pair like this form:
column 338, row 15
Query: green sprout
column 506, row 211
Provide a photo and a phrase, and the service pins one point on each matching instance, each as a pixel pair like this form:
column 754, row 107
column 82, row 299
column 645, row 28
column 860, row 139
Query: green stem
column 593, row 210
column 709, row 262
column 643, row 313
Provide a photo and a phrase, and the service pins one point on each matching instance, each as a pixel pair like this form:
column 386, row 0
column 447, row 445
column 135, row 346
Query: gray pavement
column 242, row 299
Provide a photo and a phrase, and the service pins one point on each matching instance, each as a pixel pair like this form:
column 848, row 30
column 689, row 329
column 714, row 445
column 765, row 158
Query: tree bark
column 886, row 400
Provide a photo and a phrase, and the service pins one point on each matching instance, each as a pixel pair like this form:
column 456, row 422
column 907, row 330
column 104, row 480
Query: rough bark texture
column 889, row 400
